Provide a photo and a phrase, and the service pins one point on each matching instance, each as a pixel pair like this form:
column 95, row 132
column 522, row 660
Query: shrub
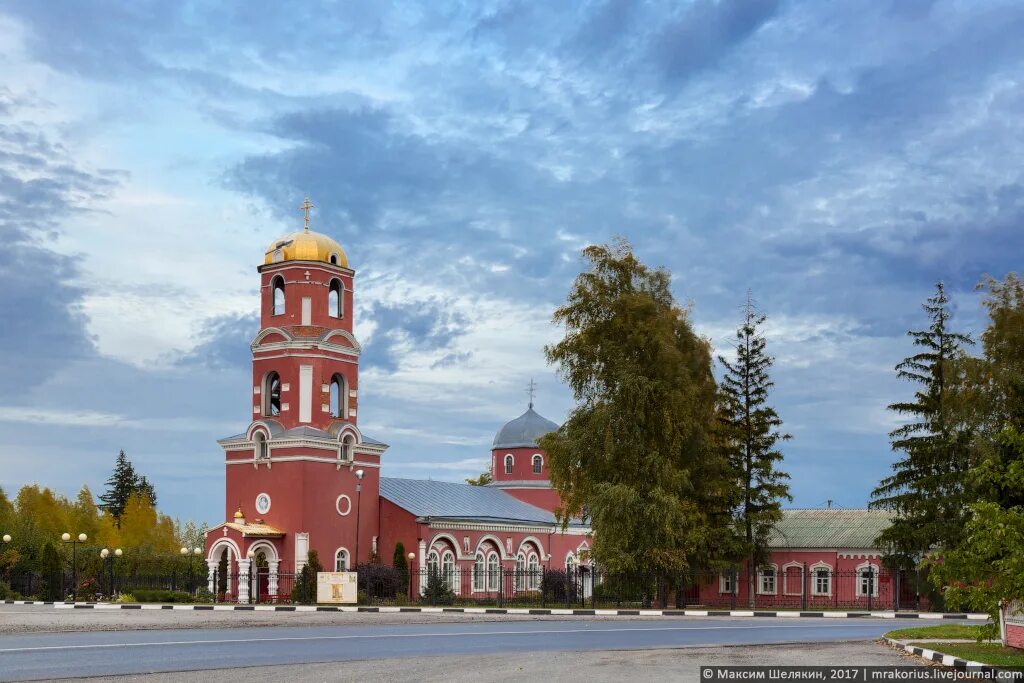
column 88, row 589
column 203, row 595
column 125, row 597
column 558, row 586
column 6, row 593
column 381, row 582
column 304, row 590
column 437, row 591
column 146, row 595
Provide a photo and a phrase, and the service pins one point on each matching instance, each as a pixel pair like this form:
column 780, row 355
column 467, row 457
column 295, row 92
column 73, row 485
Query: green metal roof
column 829, row 528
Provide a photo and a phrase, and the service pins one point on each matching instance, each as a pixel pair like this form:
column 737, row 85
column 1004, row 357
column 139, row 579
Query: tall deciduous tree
column 988, row 564
column 927, row 490
column 636, row 455
column 750, row 437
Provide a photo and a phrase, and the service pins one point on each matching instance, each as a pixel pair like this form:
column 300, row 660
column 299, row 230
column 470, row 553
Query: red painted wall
column 522, row 466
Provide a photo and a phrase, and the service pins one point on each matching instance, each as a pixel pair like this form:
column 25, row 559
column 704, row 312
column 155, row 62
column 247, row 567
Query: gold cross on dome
column 306, row 206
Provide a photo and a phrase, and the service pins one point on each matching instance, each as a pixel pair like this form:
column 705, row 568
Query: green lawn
column 986, row 653
column 954, row 631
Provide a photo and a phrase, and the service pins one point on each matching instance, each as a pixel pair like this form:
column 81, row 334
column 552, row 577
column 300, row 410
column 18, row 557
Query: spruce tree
column 927, row 490
column 120, row 486
column 398, row 560
column 750, row 437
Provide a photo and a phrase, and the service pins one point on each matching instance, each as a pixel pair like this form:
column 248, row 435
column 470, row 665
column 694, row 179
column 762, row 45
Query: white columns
column 243, row 581
column 272, row 578
column 421, row 579
column 212, row 576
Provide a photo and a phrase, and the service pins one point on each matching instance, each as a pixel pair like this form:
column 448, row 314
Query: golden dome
column 306, row 245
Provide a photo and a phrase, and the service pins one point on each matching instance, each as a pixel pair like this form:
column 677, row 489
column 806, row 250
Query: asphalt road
column 40, row 656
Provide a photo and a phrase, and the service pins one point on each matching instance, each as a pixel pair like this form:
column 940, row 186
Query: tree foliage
column 124, row 482
column 927, row 490
column 637, row 454
column 750, row 437
column 988, row 563
column 484, row 479
column 398, row 559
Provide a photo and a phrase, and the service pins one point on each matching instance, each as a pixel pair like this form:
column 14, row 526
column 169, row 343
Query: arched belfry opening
column 339, row 398
column 277, row 289
column 272, row 394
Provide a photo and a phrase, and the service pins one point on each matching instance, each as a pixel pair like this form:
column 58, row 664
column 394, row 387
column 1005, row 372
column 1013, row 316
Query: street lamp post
column 359, row 508
column 195, row 552
column 82, row 538
column 108, row 557
column 412, row 559
column 6, row 538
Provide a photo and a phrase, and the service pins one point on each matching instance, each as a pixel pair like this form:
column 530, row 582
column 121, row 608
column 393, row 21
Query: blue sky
column 836, row 158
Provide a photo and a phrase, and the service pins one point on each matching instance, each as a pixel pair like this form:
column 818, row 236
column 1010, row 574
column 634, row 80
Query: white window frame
column 725, row 586
column 510, row 463
column 493, row 572
column 533, row 567
column 449, row 570
column 785, row 578
column 814, row 569
column 520, row 581
column 534, row 467
column 861, row 568
column 762, row 575
column 339, row 552
column 479, row 568
column 433, row 562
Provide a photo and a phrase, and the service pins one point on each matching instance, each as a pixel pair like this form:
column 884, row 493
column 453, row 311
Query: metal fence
column 794, row 587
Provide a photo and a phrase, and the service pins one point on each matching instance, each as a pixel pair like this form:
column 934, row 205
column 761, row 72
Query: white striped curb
column 515, row 610
column 944, row 659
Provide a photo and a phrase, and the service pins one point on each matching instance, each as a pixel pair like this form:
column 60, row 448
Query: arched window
column 570, row 562
column 509, row 461
column 336, row 299
column 448, row 568
column 272, row 394
column 341, row 560
column 533, row 567
column 493, row 572
column 538, row 463
column 277, row 285
column 262, row 452
column 478, row 572
column 348, row 447
column 334, row 259
column 520, row 571
column 338, row 397
column 433, row 563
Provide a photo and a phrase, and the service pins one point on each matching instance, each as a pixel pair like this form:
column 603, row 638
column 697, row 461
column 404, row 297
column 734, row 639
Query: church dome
column 524, row 431
column 306, row 245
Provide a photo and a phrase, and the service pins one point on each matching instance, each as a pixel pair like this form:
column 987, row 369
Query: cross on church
column 531, row 389
column 306, row 206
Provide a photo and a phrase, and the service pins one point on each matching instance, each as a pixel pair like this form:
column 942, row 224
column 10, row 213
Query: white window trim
column 509, row 463
column 535, row 458
column 493, row 574
column 760, row 579
column 348, row 560
column 723, row 579
column 479, row 582
column 876, row 579
column 534, row 572
column 814, row 569
column 451, row 578
column 785, row 578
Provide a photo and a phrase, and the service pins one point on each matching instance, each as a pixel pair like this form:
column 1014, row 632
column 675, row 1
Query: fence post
column 871, row 584
column 735, row 586
column 896, row 591
column 803, row 586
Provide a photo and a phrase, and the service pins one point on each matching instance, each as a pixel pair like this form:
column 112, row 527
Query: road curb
column 944, row 659
column 513, row 610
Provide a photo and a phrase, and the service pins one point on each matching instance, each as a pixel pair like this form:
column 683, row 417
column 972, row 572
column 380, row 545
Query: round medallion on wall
column 263, row 503
column 343, row 505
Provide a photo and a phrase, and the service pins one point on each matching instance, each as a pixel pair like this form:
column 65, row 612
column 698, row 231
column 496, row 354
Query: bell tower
column 302, row 476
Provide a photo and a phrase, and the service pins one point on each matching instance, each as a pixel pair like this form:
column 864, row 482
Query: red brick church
column 303, row 476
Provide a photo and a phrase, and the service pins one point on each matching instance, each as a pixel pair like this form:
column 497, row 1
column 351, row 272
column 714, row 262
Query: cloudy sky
column 837, row 158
